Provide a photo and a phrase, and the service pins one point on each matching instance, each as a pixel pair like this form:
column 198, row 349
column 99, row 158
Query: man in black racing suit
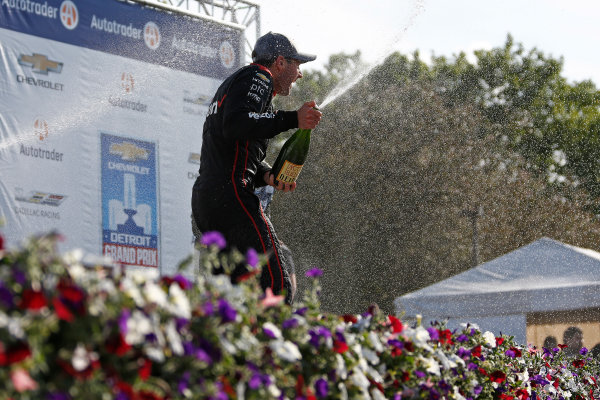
column 239, row 123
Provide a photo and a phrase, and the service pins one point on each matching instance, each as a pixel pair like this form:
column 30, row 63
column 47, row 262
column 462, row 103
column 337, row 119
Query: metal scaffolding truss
column 243, row 14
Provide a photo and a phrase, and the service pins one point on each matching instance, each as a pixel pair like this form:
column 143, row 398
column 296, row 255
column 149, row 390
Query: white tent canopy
column 543, row 276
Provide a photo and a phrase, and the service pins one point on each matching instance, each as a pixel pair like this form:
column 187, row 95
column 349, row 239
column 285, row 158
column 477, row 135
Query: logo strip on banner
column 129, row 201
column 198, row 46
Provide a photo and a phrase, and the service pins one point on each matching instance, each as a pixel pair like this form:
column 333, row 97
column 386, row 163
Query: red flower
column 70, row 291
column 405, row 376
column 562, row 346
column 522, row 394
column 498, row 377
column 505, row 396
column 499, row 341
column 1, row 242
column 445, row 336
column 62, row 311
column 17, row 352
column 397, row 326
column 339, row 346
column 117, row 345
column 482, row 371
column 377, row 385
column 578, row 363
column 33, row 300
column 3, row 359
column 396, row 352
column 146, row 369
column 476, row 351
column 350, row 318
column 516, row 351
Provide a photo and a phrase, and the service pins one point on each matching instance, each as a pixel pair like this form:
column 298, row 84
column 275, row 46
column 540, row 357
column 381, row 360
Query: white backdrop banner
column 101, row 111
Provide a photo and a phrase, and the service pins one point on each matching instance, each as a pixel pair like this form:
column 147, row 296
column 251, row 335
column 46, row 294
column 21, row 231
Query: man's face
column 288, row 71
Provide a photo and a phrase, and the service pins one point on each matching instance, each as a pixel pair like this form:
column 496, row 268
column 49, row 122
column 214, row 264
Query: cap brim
column 304, row 57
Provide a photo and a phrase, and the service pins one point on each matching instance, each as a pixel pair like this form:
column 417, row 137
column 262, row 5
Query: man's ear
column 279, row 62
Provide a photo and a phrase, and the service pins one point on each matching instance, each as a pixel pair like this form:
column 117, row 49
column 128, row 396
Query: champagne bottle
column 290, row 160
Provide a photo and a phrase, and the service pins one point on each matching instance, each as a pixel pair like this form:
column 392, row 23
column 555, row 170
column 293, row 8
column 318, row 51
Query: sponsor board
column 193, row 158
column 130, row 229
column 42, row 65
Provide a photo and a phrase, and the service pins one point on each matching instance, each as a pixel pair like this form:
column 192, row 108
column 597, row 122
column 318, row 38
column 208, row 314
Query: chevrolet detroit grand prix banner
column 101, row 111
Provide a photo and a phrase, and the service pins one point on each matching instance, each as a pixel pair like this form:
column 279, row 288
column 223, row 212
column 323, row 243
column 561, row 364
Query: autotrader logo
column 152, row 35
column 69, row 15
column 127, row 82
column 40, row 129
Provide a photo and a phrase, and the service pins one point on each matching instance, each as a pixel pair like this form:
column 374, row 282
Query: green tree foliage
column 398, row 159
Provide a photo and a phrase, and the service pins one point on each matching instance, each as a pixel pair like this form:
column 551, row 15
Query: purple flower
column 463, row 353
column 583, row 351
column 477, row 389
column 214, row 238
column 433, row 333
column 208, row 308
column 182, row 281
column 314, row 273
column 6, row 296
column 321, row 388
column 396, row 343
column 19, row 276
column 510, row 353
column 184, row 382
column 317, row 333
column 255, row 382
column 462, row 338
column 420, row 374
column 252, row 257
column 58, row 396
column 226, row 311
column 472, row 366
column 539, row 380
column 123, row 318
column 301, row 311
column 289, row 323
column 269, row 333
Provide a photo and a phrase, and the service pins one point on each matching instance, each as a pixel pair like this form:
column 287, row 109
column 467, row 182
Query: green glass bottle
column 292, row 156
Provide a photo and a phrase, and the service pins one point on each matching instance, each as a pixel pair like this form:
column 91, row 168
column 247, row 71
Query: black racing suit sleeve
column 247, row 113
column 261, row 170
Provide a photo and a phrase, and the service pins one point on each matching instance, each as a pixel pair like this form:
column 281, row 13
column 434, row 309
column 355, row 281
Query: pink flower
column 271, row 299
column 22, row 381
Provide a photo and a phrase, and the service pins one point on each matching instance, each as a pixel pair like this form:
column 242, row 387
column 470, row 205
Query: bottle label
column 289, row 172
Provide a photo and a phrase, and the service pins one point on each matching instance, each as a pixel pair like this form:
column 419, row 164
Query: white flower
column 375, row 342
column 359, row 379
column 446, row 362
column 247, row 340
column 430, row 365
column 180, row 304
column 419, row 336
column 343, row 390
column 174, row 338
column 457, row 394
column 131, row 289
column 377, row 395
column 286, row 350
column 340, row 366
column 155, row 294
column 138, row 326
column 80, row 360
column 273, row 329
column 490, row 339
column 370, row 355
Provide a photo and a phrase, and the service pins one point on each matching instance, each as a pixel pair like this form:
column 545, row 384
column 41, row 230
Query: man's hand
column 286, row 187
column 308, row 117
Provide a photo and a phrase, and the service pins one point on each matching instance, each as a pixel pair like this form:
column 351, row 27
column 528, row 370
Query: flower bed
column 71, row 332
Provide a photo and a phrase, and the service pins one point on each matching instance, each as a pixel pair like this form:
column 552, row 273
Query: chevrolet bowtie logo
column 128, row 151
column 40, row 63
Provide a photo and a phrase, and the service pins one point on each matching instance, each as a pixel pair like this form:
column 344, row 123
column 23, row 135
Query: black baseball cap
column 273, row 45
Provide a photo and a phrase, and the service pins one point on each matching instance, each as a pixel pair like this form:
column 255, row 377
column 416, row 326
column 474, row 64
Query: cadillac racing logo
column 129, row 201
column 40, row 198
